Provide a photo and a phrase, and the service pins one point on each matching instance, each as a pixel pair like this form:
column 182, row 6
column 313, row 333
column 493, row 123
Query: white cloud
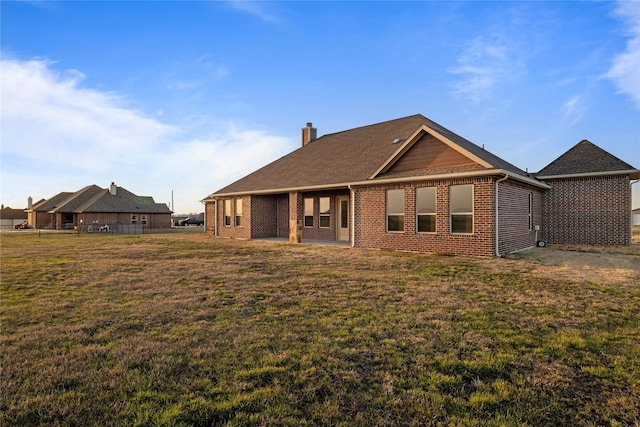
column 625, row 71
column 60, row 136
column 573, row 110
column 484, row 65
column 256, row 8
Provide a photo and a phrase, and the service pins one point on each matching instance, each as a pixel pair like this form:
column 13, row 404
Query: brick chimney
column 309, row 134
column 112, row 189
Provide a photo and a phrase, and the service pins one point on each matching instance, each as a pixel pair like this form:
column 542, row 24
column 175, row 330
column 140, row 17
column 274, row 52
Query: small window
column 227, row 213
column 395, row 210
column 461, row 208
column 325, row 207
column 134, row 219
column 238, row 211
column 426, row 209
column 143, row 219
column 308, row 212
column 530, row 211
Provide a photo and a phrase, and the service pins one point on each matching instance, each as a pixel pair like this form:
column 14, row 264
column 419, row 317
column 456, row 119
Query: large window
column 395, row 210
column 227, row 213
column 325, row 207
column 461, row 208
column 308, row 212
column 238, row 211
column 426, row 209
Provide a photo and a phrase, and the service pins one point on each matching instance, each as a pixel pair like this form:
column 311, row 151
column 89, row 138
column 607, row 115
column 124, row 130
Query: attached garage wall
column 588, row 211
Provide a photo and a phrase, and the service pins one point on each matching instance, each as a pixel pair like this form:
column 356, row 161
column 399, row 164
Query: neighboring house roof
column 95, row 199
column 636, row 211
column 365, row 155
column 49, row 204
column 124, row 201
column 586, row 158
column 9, row 213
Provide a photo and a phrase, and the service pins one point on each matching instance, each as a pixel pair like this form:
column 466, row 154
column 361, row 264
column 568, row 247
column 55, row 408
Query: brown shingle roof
column 583, row 158
column 349, row 156
column 95, row 199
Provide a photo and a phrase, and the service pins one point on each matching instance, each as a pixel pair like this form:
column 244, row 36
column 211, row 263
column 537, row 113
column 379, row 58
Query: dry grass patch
column 188, row 330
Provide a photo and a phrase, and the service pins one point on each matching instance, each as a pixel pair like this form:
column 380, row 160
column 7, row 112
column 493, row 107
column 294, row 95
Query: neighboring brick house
column 9, row 217
column 92, row 207
column 410, row 184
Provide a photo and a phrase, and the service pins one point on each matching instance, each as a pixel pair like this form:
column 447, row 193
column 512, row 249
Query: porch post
column 295, row 215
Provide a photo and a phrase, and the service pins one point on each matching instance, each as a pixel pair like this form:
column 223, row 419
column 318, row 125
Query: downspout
column 631, row 208
column 506, row 176
column 352, row 218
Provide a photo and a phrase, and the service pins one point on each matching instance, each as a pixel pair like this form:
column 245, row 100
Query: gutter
column 633, row 173
column 336, row 186
column 506, row 176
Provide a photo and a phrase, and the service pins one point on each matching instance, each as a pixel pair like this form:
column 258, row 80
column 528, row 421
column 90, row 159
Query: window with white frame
column 395, row 210
column 134, row 219
column 308, row 212
column 238, row 212
column 461, row 208
column 143, row 219
column 325, row 207
column 227, row 212
column 426, row 210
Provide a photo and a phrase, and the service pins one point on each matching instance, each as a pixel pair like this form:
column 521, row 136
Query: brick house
column 92, row 207
column 411, row 184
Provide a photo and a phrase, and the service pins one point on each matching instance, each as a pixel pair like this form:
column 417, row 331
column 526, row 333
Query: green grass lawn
column 188, row 330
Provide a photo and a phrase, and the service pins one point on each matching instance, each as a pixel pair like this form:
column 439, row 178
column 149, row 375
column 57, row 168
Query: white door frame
column 342, row 234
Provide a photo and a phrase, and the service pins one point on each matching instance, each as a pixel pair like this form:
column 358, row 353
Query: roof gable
column 584, row 158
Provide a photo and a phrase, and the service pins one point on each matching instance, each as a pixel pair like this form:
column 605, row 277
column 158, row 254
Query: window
column 134, row 219
column 395, row 210
column 227, row 213
column 325, row 207
column 426, row 209
column 308, row 212
column 143, row 219
column 530, row 211
column 238, row 210
column 461, row 208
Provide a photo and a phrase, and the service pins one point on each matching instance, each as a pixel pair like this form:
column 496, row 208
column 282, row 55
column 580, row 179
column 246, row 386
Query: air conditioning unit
column 541, row 243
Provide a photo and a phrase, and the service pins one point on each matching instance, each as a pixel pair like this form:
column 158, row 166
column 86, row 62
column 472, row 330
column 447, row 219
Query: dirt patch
column 612, row 265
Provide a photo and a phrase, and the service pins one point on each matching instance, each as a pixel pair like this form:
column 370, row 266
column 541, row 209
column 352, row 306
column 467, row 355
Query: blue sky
column 190, row 96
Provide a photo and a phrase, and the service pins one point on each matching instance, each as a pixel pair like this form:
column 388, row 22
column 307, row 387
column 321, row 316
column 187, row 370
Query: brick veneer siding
column 316, row 232
column 513, row 216
column 588, row 211
column 242, row 232
column 370, row 220
column 210, row 216
column 264, row 215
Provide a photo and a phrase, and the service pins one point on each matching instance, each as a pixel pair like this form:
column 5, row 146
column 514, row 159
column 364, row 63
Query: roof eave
column 633, row 174
column 337, row 186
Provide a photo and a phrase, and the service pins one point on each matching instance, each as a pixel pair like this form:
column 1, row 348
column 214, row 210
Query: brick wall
column 588, row 211
column 210, row 216
column 316, row 232
column 370, row 217
column 231, row 231
column 264, row 215
column 513, row 231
